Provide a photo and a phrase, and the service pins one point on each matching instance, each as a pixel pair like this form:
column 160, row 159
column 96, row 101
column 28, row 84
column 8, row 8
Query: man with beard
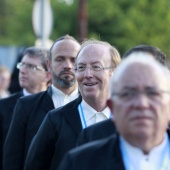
column 58, row 133
column 30, row 111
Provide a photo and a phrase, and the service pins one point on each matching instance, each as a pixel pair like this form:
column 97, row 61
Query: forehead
column 65, row 48
column 94, row 53
column 140, row 54
column 139, row 75
column 31, row 60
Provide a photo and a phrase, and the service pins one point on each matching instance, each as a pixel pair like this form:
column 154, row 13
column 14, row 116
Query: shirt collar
column 136, row 155
column 56, row 91
column 89, row 111
column 26, row 93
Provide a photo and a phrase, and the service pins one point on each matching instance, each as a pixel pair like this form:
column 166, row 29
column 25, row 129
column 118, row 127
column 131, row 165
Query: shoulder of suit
column 33, row 97
column 96, row 145
column 12, row 97
column 69, row 107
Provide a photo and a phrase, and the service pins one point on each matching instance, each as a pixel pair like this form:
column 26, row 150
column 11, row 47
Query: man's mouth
column 90, row 84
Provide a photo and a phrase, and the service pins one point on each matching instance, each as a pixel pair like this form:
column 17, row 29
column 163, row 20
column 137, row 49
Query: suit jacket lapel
column 17, row 96
column 72, row 115
column 47, row 103
column 117, row 161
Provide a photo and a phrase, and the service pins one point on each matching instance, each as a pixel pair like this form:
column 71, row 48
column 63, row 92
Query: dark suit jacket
column 6, row 109
column 57, row 134
column 28, row 115
column 103, row 154
column 97, row 131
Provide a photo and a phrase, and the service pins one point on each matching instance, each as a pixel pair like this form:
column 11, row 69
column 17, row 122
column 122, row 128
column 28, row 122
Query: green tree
column 123, row 23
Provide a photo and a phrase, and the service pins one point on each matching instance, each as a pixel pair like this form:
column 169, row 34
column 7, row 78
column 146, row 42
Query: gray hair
column 115, row 56
column 37, row 52
column 119, row 71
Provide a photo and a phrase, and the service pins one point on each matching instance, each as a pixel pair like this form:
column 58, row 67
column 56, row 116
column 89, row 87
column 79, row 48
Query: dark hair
column 37, row 52
column 154, row 51
column 65, row 37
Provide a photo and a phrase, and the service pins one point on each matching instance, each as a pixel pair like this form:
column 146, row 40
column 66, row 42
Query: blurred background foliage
column 123, row 23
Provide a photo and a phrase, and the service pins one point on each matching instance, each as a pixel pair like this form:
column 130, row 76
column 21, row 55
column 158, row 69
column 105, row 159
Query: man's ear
column 110, row 104
column 111, row 72
column 48, row 78
column 48, row 63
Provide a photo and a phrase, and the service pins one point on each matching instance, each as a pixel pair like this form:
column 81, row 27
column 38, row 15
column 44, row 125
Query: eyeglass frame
column 133, row 94
column 94, row 68
column 29, row 66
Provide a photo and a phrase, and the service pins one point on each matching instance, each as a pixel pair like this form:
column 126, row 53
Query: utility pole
column 82, row 20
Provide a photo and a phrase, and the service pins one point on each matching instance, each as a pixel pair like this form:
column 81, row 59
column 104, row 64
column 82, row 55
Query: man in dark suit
column 140, row 101
column 97, row 131
column 33, row 57
column 58, row 133
column 30, row 111
column 107, row 127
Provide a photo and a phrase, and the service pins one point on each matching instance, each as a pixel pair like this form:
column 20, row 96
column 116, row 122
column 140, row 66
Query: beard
column 64, row 82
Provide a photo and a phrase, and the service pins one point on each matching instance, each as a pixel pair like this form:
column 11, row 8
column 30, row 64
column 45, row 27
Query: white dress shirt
column 60, row 99
column 26, row 93
column 157, row 159
column 90, row 116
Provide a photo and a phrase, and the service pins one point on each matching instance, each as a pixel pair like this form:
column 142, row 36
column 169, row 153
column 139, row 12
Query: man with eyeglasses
column 58, row 132
column 31, row 80
column 30, row 111
column 107, row 127
column 140, row 103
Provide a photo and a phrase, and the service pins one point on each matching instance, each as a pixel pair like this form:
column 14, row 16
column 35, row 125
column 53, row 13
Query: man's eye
column 96, row 68
column 127, row 94
column 153, row 93
column 30, row 66
column 81, row 68
column 59, row 59
column 73, row 60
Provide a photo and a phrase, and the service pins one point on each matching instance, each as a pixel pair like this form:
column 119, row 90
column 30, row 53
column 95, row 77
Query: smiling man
column 140, row 101
column 59, row 131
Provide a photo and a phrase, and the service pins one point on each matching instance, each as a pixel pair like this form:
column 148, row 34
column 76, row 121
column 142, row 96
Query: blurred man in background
column 33, row 78
column 5, row 80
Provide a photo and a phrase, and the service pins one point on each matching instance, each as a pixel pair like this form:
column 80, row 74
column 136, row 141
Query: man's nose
column 68, row 64
column 88, row 72
column 23, row 69
column 141, row 101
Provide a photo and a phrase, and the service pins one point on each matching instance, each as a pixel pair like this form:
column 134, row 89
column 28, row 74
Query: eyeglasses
column 29, row 66
column 94, row 68
column 152, row 94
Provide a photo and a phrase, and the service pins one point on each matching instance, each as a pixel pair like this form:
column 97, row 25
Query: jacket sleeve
column 42, row 147
column 13, row 157
column 65, row 163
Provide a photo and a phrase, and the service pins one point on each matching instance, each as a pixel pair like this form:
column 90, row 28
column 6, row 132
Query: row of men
column 88, row 83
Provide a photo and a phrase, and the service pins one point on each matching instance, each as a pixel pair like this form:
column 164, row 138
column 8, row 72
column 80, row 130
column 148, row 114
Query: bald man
column 107, row 127
column 140, row 101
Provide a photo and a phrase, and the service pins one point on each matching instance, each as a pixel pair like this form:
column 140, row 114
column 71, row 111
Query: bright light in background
column 68, row 2
column 42, row 19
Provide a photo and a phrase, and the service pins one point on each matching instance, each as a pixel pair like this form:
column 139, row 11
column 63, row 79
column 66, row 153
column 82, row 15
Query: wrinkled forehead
column 66, row 47
column 94, row 52
column 142, row 75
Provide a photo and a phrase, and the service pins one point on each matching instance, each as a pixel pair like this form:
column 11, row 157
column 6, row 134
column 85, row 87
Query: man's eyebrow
column 128, row 88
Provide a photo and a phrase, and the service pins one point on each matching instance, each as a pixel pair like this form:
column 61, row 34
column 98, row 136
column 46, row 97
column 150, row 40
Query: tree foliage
column 123, row 23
